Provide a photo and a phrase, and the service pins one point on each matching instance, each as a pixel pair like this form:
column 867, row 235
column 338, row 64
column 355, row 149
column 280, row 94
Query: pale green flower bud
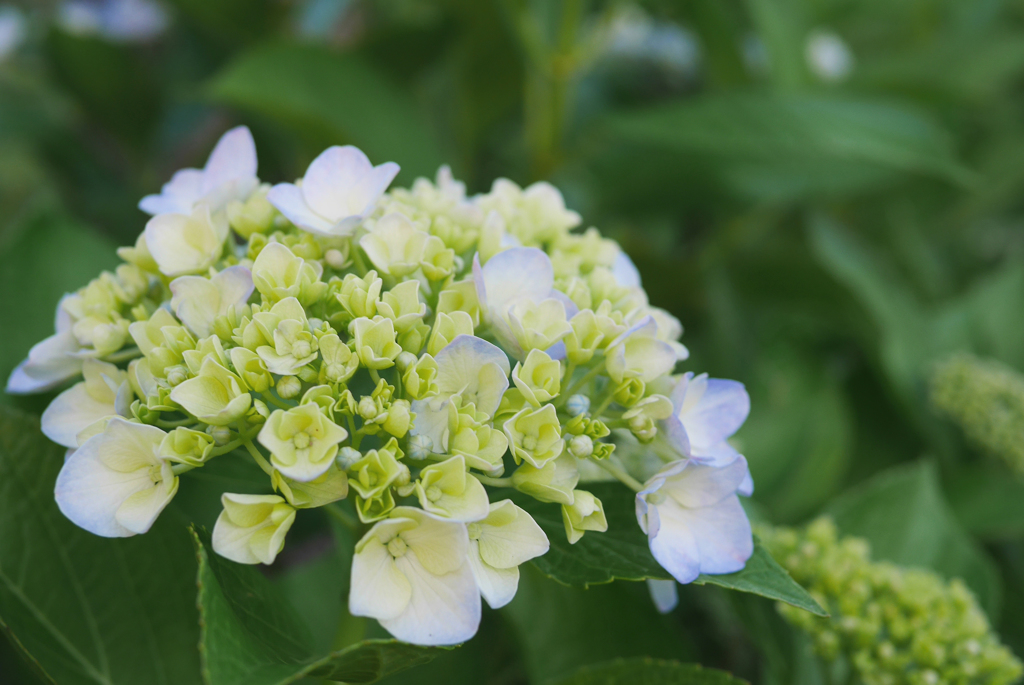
column 394, row 245
column 402, row 305
column 252, row 528
column 337, row 258
column 539, row 378
column 347, row 456
column 207, row 348
column 339, row 363
column 577, row 405
column 359, row 296
column 535, row 435
column 446, row 490
column 368, row 408
column 255, row 215
column 577, row 290
column 289, row 387
column 419, row 447
column 642, row 417
column 554, row 482
column 585, row 513
column 378, row 470
column 329, row 487
column 251, row 369
column 278, row 273
column 375, row 508
column 294, row 344
column 538, row 326
column 412, row 340
column 216, row 396
column 139, row 255
column 581, row 446
column 437, row 261
column 186, row 446
column 375, row 342
column 460, row 296
column 986, row 399
column 399, row 418
column 584, row 425
column 221, row 435
column 478, row 443
column 446, row 327
column 302, row 441
column 183, row 244
column 629, row 391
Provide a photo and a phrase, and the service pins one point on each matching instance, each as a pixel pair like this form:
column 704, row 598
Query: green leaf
column 785, row 146
column 904, row 516
column 334, row 98
column 623, row 553
column 85, row 609
column 54, row 255
column 645, row 671
column 252, row 636
column 988, row 501
column 561, row 628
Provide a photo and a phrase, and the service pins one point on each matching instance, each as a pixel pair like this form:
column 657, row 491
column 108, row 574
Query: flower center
column 529, row 442
column 397, row 547
column 434, row 493
column 474, row 531
column 301, row 441
column 300, row 349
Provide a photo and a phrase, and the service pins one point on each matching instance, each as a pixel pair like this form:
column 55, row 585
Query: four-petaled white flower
column 411, row 573
column 116, row 483
column 693, row 518
column 340, row 188
column 229, row 174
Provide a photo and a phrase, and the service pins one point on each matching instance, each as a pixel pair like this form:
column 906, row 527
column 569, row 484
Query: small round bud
column 315, row 323
column 221, row 434
column 418, row 447
column 347, row 456
column 405, row 360
column 581, row 446
column 288, row 387
column 177, row 375
column 577, row 405
column 335, row 259
column 367, row 408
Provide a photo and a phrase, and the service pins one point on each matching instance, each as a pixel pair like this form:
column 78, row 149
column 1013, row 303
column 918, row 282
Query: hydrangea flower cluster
column 895, row 626
column 986, row 399
column 406, row 349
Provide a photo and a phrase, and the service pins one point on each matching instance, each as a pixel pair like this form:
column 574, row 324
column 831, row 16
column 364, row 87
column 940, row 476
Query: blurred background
column 829, row 194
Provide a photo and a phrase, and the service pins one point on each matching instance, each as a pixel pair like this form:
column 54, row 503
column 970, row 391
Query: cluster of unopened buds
column 405, row 349
column 891, row 625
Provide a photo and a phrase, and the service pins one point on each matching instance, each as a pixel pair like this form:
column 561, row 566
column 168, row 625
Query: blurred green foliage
column 828, row 225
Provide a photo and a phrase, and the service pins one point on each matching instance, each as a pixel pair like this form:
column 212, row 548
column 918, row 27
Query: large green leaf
column 648, row 672
column 622, row 552
column 252, row 636
column 786, row 146
column 332, row 97
column 85, row 609
column 904, row 516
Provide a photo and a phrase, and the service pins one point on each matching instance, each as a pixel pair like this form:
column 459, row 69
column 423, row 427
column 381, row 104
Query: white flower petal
column 672, row 542
column 697, row 485
column 232, row 159
column 497, row 586
column 140, row 510
column 723, row 536
column 177, row 196
column 330, row 179
column 443, row 610
column 49, row 363
column 288, row 200
column 440, row 546
column 378, row 589
column 664, row 594
column 71, row 412
column 462, row 367
column 625, row 272
column 432, row 421
column 721, row 410
column 519, row 273
column 513, row 543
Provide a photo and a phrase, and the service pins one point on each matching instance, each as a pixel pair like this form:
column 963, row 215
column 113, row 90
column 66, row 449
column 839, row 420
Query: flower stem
column 575, row 387
column 628, row 480
column 259, row 458
column 495, row 482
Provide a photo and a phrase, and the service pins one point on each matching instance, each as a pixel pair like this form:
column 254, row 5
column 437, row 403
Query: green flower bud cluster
column 986, row 399
column 894, row 625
